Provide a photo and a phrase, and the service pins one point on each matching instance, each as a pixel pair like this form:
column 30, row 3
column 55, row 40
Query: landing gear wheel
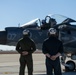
column 71, row 66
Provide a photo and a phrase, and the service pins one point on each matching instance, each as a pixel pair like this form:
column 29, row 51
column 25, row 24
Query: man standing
column 26, row 47
column 52, row 48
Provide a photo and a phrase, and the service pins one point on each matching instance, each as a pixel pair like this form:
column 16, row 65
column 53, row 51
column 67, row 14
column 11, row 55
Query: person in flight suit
column 52, row 22
column 26, row 47
column 52, row 48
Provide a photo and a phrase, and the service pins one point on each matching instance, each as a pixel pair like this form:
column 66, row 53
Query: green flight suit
column 26, row 44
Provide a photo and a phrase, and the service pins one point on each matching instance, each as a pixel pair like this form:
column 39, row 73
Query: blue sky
column 13, row 12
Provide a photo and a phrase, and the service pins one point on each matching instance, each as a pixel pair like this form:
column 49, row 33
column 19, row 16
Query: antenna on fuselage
column 19, row 25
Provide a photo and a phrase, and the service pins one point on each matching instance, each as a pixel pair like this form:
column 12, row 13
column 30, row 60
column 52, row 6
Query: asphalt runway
column 9, row 65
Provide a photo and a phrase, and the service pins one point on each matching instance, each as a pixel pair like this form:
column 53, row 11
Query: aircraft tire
column 72, row 66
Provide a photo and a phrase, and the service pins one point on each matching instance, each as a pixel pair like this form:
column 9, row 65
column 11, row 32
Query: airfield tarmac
column 9, row 64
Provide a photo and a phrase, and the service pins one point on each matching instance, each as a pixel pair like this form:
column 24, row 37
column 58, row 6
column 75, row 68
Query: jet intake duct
column 3, row 37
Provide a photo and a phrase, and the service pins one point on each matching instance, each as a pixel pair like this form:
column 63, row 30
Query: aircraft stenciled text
column 11, row 36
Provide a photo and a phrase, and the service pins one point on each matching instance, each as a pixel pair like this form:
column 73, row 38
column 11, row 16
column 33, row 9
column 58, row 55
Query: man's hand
column 24, row 53
column 47, row 55
column 53, row 57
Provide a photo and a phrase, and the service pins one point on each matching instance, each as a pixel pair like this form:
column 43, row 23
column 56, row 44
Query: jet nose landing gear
column 70, row 66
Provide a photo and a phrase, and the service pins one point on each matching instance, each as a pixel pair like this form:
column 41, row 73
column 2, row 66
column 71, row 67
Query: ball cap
column 25, row 32
column 52, row 31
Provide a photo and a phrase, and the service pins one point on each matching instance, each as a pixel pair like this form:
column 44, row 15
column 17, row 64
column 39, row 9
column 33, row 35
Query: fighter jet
column 38, row 28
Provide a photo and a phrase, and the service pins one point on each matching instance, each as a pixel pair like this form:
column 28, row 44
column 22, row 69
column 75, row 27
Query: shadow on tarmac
column 66, row 73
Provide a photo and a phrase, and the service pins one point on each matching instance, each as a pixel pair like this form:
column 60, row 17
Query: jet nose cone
column 3, row 37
